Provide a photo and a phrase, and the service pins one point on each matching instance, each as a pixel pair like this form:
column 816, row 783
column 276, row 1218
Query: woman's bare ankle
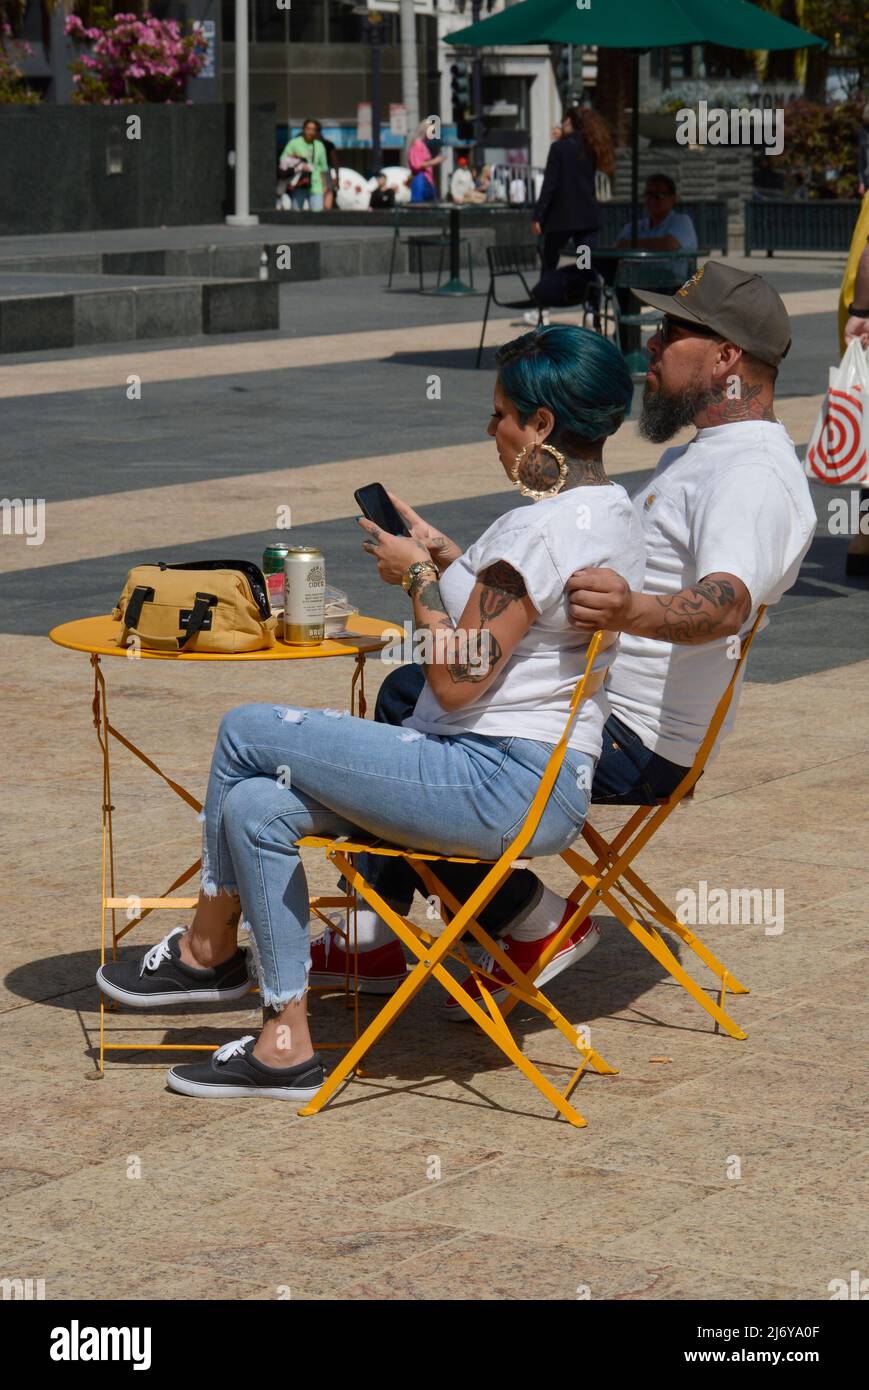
column 280, row 1044
column 204, row 952
column 276, row 1056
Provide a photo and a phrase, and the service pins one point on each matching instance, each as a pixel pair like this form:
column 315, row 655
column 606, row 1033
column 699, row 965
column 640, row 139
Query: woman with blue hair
column 460, row 774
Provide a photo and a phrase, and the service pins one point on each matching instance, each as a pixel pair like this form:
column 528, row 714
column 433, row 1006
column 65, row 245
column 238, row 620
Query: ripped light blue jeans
column 279, row 773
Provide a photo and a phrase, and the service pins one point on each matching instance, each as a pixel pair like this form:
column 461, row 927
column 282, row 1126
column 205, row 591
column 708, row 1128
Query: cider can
column 304, row 595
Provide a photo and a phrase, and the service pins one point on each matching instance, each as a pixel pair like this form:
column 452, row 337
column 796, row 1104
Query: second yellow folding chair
column 431, row 951
column 610, row 881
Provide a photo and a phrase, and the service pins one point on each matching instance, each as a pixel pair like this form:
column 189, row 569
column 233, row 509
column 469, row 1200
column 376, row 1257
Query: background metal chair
column 404, row 219
column 441, row 244
column 437, row 239
column 506, row 261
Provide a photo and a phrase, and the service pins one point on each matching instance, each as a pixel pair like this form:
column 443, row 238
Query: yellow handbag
column 203, row 606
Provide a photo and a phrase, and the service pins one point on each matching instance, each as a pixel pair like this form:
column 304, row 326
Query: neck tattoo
column 541, row 472
column 720, row 407
column 585, row 473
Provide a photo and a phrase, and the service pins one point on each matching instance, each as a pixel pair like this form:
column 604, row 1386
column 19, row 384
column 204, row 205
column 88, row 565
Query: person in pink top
column 422, row 162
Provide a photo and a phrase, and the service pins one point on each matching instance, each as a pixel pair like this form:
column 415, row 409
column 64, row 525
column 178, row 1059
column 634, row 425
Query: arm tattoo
column 487, row 656
column 429, row 594
column 720, row 409
column 501, row 587
column 696, row 614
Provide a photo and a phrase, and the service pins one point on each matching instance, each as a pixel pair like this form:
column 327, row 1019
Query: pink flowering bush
column 13, row 85
column 135, row 60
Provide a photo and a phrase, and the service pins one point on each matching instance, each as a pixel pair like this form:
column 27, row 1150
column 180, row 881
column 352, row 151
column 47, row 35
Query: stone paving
column 727, row 1170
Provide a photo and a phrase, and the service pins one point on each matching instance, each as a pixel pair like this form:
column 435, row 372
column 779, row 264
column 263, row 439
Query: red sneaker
column 381, row 970
column 524, row 954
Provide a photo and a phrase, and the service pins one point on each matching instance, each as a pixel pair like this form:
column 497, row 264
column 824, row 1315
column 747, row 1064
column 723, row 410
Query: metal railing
column 799, row 225
column 505, row 181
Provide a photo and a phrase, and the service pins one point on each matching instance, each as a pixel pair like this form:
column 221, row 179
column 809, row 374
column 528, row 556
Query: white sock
column 543, row 919
column 371, row 930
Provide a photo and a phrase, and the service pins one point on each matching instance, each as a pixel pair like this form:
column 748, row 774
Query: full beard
column 664, row 415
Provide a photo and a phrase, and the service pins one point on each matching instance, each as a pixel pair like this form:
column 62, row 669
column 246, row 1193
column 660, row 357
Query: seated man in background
column 662, row 228
column 381, row 196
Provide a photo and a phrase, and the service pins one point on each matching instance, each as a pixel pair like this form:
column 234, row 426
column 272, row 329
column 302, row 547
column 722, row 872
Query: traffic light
column 460, row 85
column 564, row 73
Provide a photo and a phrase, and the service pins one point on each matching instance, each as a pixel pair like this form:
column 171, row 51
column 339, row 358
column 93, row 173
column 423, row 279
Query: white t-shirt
column 461, row 184
column 544, row 543
column 734, row 501
column 677, row 224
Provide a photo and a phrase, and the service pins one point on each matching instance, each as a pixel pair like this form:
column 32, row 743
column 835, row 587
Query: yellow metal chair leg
column 665, row 917
column 582, row 907
column 655, row 944
column 662, row 914
column 500, row 1037
column 607, row 883
column 430, row 959
column 523, row 989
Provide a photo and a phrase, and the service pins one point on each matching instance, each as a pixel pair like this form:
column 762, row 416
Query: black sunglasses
column 697, row 330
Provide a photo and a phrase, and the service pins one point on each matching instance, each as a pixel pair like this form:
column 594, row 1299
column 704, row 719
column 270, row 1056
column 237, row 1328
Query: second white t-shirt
column 545, row 543
column 735, row 501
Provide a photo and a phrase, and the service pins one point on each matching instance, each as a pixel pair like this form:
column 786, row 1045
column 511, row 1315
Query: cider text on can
column 304, row 595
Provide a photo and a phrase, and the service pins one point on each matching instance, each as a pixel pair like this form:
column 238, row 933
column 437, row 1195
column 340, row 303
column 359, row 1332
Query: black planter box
column 74, row 169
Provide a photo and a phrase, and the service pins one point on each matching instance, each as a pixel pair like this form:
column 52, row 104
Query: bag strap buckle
column 143, row 593
column 197, row 616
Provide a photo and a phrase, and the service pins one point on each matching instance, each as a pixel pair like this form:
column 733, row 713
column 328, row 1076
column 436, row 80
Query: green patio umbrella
column 636, row 26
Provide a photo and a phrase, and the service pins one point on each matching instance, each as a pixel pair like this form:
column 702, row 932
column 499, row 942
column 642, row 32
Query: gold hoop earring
column 531, row 492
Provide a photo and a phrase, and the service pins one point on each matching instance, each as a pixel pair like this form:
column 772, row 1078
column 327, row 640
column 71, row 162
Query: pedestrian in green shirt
column 308, row 188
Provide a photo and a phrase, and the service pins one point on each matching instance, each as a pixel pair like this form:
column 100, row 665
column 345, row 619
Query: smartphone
column 374, row 503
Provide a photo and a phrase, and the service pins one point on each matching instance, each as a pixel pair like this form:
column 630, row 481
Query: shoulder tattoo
column 501, row 586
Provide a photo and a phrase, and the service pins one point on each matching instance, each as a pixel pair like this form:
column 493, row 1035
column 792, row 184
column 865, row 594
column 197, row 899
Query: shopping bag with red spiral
column 839, row 447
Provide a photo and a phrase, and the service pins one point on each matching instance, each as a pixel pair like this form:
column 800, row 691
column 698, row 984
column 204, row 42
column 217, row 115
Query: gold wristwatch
column 412, row 573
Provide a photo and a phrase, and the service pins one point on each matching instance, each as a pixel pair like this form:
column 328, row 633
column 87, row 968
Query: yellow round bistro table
column 99, row 637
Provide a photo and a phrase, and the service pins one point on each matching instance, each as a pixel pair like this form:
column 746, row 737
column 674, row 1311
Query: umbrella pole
column 632, row 340
column 477, row 90
column 635, row 149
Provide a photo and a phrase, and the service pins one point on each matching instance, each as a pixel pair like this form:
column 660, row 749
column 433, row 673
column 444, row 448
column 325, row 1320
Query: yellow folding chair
column 431, row 951
column 610, row 874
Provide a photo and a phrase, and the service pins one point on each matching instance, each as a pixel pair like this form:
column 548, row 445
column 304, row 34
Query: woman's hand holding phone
column 394, row 554
column 440, row 548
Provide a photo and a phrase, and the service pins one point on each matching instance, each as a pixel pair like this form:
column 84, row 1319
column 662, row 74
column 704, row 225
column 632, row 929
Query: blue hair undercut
column 578, row 375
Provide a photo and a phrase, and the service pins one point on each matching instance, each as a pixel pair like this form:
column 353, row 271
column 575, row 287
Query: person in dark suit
column 566, row 208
